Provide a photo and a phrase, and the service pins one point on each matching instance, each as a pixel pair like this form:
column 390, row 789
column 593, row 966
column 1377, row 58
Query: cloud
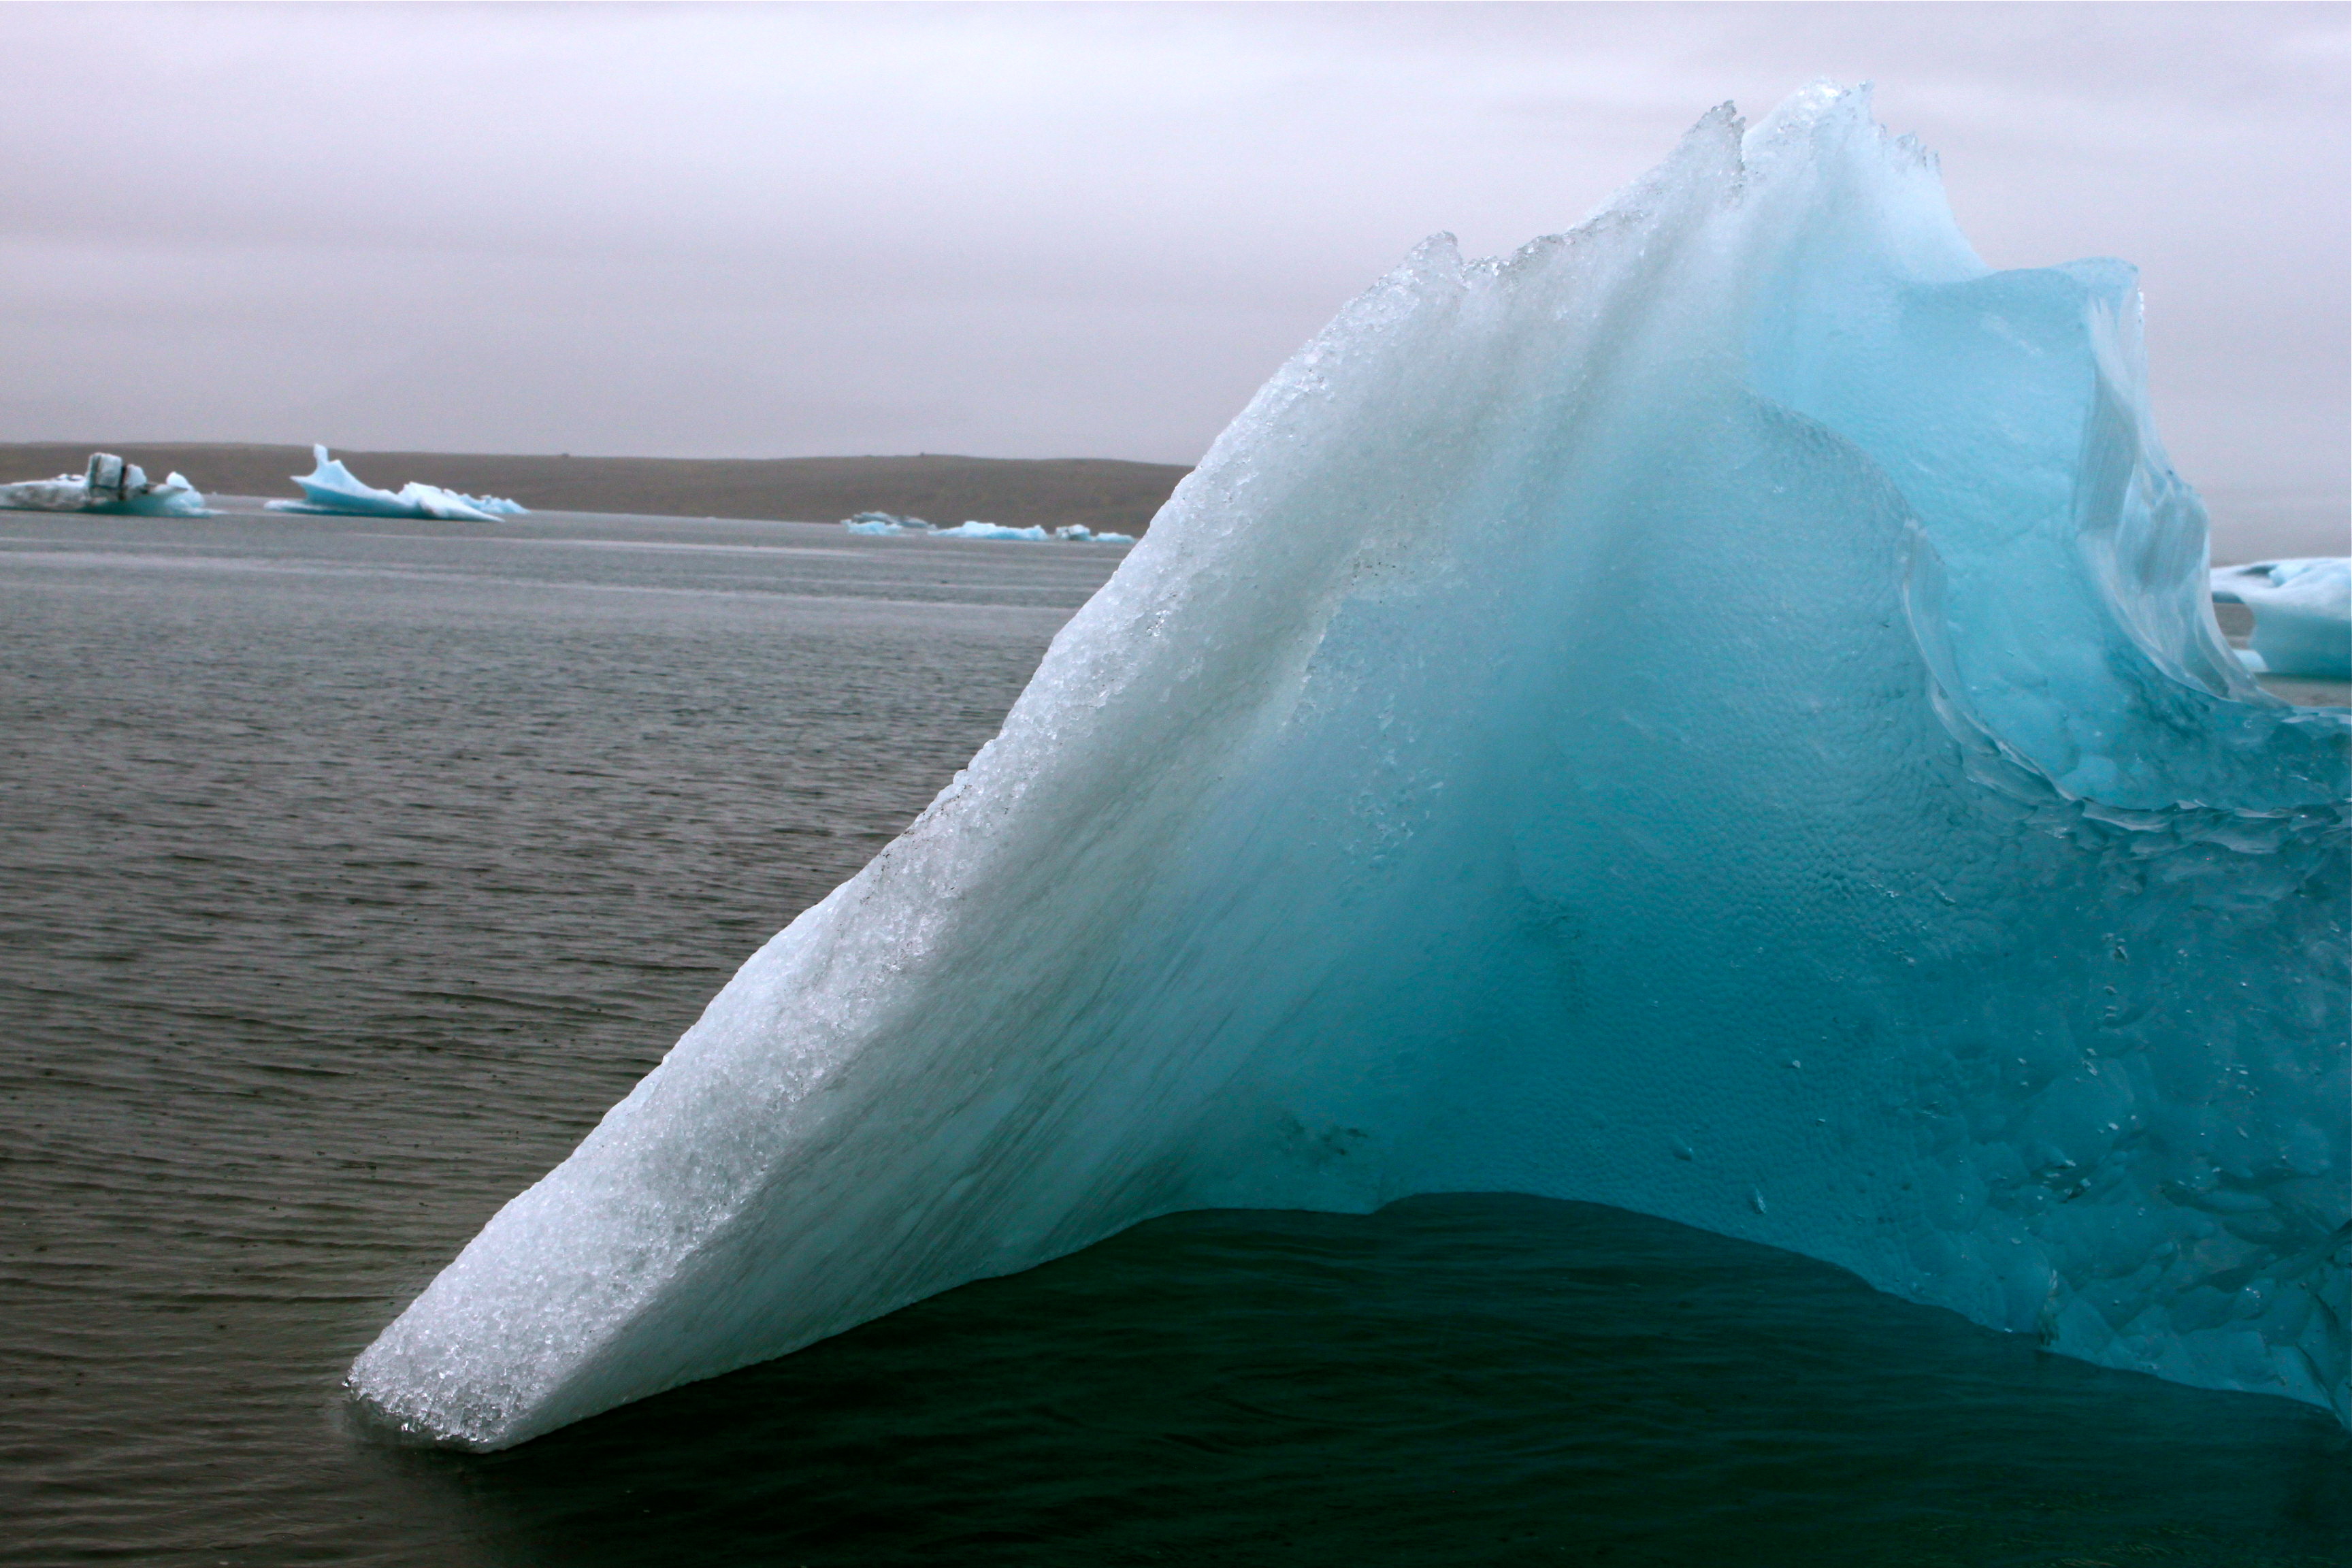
column 1041, row 230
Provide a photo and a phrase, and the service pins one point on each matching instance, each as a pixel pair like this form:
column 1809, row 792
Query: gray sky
column 1042, row 230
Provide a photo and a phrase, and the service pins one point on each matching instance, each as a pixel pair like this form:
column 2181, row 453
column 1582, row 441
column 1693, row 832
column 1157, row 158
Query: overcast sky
column 1041, row 230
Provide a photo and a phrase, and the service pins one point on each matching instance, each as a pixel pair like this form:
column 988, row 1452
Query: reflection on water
column 348, row 870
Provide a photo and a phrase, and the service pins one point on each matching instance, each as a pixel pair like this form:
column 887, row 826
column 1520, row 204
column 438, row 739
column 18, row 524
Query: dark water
column 349, row 871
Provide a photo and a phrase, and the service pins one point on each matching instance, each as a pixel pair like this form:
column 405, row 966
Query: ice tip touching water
column 1716, row 713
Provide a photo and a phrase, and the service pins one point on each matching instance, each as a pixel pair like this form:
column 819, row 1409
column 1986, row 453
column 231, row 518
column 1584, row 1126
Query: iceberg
column 882, row 523
column 330, row 488
column 109, row 486
column 1717, row 713
column 970, row 529
column 2303, row 615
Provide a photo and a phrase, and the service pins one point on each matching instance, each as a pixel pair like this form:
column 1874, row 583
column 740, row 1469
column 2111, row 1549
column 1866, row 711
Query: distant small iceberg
column 994, row 531
column 330, row 488
column 2303, row 615
column 884, row 524
column 109, row 486
column 1079, row 533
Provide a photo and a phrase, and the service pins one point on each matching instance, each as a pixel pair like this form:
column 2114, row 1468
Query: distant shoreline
column 1102, row 493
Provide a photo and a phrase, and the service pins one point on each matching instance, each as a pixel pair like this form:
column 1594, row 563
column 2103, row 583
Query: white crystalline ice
column 109, row 486
column 969, row 529
column 1580, row 688
column 1079, row 533
column 2303, row 613
column 330, row 488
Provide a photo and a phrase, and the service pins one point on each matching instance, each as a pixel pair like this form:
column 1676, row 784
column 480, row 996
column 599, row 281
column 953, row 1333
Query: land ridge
column 1100, row 492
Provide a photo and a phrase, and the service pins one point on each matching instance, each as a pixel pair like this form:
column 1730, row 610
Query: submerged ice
column 2303, row 613
column 1716, row 713
column 330, row 488
column 108, row 485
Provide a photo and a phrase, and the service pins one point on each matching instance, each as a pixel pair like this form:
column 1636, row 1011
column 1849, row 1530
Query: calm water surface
column 350, row 869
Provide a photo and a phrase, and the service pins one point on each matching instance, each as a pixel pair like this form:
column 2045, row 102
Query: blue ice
column 2303, row 615
column 107, row 485
column 970, row 529
column 330, row 488
column 1717, row 712
column 882, row 523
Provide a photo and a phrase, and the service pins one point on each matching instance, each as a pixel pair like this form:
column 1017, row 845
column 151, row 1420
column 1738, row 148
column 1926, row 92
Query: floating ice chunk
column 109, row 486
column 883, row 523
column 2303, row 615
column 969, row 529
column 1741, row 631
column 330, row 488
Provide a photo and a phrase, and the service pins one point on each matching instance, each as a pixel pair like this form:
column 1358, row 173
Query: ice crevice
column 1744, row 631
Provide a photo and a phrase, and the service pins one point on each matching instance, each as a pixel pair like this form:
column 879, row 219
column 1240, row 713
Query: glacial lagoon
column 355, row 867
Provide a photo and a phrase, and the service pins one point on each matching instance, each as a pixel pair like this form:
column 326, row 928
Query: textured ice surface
column 2303, row 613
column 1717, row 713
column 108, row 485
column 330, row 488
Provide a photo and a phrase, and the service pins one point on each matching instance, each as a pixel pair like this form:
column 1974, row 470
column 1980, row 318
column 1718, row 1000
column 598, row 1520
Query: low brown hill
column 1100, row 493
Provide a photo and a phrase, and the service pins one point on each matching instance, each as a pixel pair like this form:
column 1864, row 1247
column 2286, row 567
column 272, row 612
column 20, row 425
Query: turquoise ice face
column 1716, row 713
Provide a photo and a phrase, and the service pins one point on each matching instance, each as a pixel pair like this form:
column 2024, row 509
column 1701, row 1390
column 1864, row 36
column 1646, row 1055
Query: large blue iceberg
column 1716, row 713
column 333, row 489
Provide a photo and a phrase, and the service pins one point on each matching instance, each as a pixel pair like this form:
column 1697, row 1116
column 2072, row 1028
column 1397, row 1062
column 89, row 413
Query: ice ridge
column 1717, row 713
column 330, row 488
